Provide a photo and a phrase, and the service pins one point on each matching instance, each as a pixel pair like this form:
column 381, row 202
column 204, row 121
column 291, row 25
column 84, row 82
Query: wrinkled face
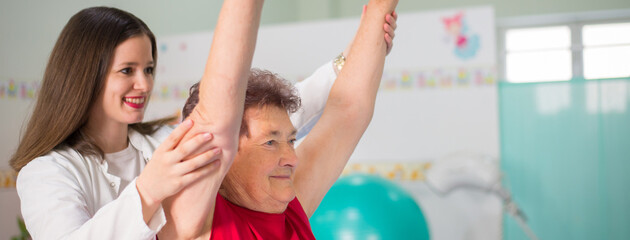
column 128, row 83
column 261, row 176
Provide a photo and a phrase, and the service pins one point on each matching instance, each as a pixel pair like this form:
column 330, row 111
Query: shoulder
column 296, row 215
column 64, row 159
column 222, row 208
column 60, row 167
column 296, row 211
column 226, row 224
column 295, row 205
column 162, row 132
column 147, row 143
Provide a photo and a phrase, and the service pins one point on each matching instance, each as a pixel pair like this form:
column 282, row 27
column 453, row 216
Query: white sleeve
column 314, row 92
column 54, row 206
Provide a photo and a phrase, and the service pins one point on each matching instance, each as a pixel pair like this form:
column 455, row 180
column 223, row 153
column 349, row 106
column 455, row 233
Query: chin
column 288, row 197
column 135, row 120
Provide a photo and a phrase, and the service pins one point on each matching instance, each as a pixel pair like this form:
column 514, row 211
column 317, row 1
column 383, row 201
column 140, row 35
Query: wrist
column 149, row 204
column 146, row 198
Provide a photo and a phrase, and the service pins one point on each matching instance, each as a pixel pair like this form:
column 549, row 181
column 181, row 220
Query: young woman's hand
column 174, row 166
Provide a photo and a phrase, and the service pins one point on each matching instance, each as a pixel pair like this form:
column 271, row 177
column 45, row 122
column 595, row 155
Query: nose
column 288, row 157
column 143, row 82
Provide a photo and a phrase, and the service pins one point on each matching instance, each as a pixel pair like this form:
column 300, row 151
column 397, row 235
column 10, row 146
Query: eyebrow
column 134, row 63
column 276, row 132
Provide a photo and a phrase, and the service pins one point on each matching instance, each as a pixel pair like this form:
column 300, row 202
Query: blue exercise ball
column 362, row 206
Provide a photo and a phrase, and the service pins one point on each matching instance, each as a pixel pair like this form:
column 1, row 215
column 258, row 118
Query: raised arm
column 326, row 150
column 219, row 111
column 223, row 85
column 314, row 89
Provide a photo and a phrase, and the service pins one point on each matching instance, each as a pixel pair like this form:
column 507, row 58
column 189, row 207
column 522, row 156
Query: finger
column 388, row 30
column 200, row 172
column 199, row 161
column 192, row 146
column 176, row 136
column 389, row 42
column 392, row 34
column 391, row 21
column 204, row 147
column 395, row 15
column 363, row 12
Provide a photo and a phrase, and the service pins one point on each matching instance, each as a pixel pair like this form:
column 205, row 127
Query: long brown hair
column 73, row 79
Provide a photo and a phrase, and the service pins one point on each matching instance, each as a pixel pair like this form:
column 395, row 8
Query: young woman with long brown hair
column 85, row 143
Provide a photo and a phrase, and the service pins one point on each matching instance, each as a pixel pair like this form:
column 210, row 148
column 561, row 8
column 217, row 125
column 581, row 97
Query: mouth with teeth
column 134, row 102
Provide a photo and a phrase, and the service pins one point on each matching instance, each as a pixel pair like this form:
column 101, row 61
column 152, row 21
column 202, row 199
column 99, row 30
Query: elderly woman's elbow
column 362, row 115
column 355, row 114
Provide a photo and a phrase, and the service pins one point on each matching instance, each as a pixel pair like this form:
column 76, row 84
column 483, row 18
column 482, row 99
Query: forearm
column 189, row 212
column 320, row 83
column 355, row 89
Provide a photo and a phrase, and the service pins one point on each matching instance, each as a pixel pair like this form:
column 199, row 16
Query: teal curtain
column 565, row 152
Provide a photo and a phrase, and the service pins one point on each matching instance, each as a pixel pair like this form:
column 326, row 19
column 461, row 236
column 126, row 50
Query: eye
column 126, row 70
column 270, row 142
column 149, row 70
column 292, row 141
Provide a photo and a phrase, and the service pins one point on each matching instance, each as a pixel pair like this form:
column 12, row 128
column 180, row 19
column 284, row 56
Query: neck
column 244, row 200
column 109, row 136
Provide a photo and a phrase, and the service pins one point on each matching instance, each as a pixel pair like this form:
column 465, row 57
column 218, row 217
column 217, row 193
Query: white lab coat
column 65, row 195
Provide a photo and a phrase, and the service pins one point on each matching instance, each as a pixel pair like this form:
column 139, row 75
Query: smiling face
column 127, row 84
column 261, row 176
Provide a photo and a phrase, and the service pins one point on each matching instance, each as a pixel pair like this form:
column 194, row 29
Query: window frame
column 575, row 22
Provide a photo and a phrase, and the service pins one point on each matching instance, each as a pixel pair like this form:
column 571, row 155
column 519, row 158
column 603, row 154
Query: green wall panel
column 565, row 152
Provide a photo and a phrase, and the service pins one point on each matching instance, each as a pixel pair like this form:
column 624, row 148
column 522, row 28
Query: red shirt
column 234, row 222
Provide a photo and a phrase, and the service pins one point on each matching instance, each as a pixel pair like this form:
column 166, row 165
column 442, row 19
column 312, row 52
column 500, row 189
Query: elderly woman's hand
column 390, row 28
column 390, row 25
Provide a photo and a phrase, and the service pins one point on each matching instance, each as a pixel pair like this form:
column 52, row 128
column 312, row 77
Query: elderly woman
column 269, row 189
